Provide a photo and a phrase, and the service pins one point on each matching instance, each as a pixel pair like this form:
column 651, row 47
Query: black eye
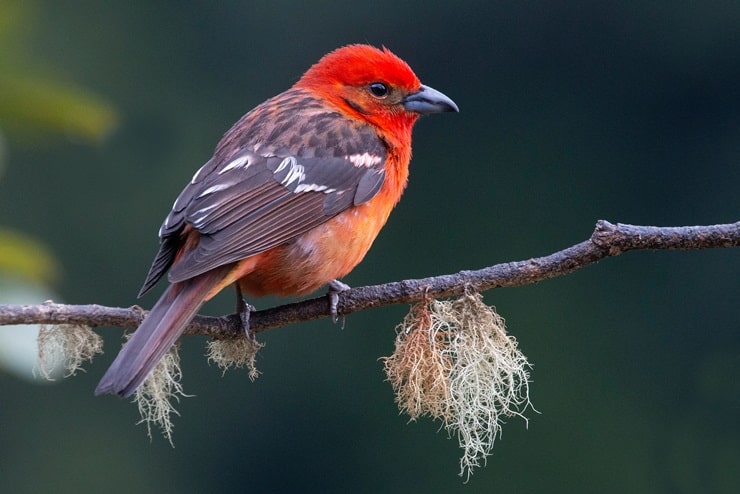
column 379, row 89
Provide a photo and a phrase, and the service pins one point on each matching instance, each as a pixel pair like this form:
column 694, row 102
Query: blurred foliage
column 31, row 104
column 27, row 258
column 32, row 98
column 34, row 103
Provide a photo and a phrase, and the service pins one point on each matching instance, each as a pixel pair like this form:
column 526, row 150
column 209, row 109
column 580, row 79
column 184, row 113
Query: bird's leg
column 335, row 288
column 244, row 310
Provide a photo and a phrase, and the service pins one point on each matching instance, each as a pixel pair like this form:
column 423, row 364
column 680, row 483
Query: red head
column 376, row 86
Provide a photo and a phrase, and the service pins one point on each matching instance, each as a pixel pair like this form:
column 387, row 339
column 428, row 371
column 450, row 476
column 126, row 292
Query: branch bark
column 607, row 240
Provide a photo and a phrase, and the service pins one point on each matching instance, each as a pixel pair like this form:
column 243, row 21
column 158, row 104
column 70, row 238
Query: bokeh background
column 570, row 112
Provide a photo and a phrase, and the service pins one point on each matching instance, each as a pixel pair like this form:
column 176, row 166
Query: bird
column 291, row 200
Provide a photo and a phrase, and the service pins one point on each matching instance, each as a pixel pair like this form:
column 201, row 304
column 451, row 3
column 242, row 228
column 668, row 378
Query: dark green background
column 570, row 112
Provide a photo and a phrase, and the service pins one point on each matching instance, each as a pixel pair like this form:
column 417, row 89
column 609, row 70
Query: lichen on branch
column 455, row 362
column 154, row 397
column 235, row 352
column 67, row 346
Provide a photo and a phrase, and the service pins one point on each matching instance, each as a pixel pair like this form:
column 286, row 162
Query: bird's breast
column 326, row 252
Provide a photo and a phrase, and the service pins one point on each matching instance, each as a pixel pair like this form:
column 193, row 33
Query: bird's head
column 374, row 85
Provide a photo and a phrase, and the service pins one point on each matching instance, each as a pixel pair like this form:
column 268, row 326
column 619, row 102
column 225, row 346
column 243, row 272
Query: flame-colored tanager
column 291, row 200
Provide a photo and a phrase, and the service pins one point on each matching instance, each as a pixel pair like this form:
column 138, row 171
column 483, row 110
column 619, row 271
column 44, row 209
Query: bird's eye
column 379, row 90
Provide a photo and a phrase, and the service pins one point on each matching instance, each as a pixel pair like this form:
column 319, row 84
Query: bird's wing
column 259, row 199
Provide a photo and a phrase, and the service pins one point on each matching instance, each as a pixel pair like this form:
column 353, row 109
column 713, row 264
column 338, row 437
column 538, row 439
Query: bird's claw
column 244, row 310
column 244, row 313
column 335, row 288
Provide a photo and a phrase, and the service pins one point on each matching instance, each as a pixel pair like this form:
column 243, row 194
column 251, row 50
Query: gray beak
column 428, row 100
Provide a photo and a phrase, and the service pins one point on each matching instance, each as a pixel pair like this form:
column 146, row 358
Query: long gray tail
column 160, row 330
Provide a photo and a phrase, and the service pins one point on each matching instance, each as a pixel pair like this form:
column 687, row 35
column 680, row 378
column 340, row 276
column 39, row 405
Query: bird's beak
column 428, row 100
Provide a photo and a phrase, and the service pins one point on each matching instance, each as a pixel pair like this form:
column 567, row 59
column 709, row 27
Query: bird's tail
column 160, row 330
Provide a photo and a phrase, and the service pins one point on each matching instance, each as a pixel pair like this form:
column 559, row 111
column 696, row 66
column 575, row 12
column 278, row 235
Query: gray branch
column 607, row 240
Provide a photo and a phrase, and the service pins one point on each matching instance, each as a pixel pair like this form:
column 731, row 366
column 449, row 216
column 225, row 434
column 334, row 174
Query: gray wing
column 255, row 201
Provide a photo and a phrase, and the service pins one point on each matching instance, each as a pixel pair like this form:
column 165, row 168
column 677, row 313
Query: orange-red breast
column 293, row 197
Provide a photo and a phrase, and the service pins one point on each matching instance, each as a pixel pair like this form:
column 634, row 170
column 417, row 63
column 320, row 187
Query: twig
column 607, row 240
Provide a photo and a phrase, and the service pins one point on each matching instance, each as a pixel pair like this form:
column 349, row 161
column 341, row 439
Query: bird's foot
column 335, row 288
column 244, row 310
column 244, row 313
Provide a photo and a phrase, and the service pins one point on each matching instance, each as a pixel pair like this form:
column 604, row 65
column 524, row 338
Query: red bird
column 292, row 199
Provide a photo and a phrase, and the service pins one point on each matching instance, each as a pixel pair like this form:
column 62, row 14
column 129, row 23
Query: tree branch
column 607, row 240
